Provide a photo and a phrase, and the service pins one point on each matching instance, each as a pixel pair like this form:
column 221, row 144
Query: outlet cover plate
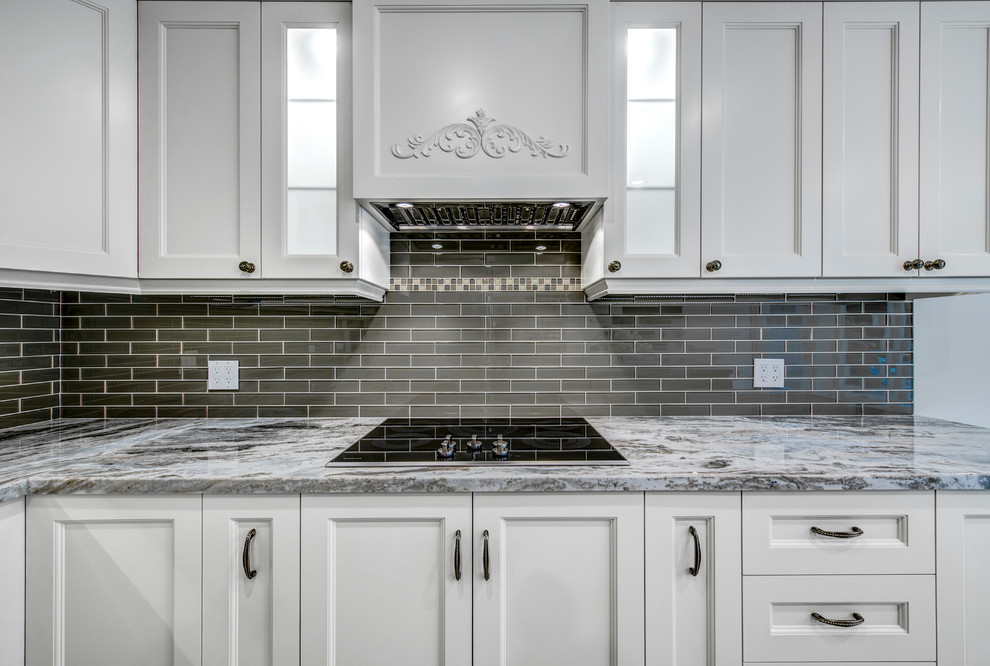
column 768, row 373
column 222, row 376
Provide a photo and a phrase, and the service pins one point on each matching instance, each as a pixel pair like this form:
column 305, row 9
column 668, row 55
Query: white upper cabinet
column 467, row 99
column 955, row 138
column 652, row 220
column 761, row 144
column 68, row 131
column 200, row 165
column 870, row 141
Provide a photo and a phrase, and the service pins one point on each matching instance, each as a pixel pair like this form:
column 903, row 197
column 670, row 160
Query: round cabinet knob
column 913, row 265
column 713, row 266
column 246, row 266
column 347, row 267
column 614, row 267
column 936, row 265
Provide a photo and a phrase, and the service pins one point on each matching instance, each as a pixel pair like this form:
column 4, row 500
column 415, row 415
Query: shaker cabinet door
column 199, row 78
column 558, row 579
column 386, row 580
column 955, row 138
column 761, row 139
column 114, row 580
column 68, row 137
column 870, row 203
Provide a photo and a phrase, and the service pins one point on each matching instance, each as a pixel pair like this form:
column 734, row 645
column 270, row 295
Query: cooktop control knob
column 500, row 448
column 446, row 450
column 474, row 446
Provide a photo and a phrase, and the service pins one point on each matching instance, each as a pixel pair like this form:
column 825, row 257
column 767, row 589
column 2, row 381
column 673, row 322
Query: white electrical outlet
column 222, row 376
column 768, row 372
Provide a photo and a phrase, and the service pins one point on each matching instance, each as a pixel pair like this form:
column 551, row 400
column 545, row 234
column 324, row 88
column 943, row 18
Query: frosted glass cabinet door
column 652, row 218
column 560, row 580
column 310, row 223
column 114, row 581
column 955, row 137
column 199, row 79
column 382, row 582
column 761, row 139
column 68, row 136
column 870, row 204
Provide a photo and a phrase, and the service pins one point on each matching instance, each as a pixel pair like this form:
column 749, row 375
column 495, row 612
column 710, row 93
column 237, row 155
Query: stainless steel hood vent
column 560, row 215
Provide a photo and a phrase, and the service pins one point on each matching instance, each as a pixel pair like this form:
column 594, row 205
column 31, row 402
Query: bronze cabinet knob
column 713, row 266
column 347, row 266
column 246, row 266
column 913, row 265
column 614, row 267
column 936, row 265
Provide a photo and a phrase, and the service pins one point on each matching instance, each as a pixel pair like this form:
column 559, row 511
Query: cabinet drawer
column 898, row 614
column 898, row 533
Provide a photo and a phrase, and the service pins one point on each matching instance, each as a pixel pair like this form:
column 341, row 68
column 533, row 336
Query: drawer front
column 897, row 533
column 845, row 663
column 898, row 614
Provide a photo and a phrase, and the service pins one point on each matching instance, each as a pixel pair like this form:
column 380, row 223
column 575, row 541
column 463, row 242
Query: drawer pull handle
column 855, row 622
column 851, row 534
column 246, row 556
column 484, row 557
column 697, row 552
column 457, row 555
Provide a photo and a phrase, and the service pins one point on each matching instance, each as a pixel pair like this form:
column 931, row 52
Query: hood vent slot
column 541, row 215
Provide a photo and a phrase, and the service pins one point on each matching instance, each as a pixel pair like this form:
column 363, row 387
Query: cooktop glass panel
column 530, row 441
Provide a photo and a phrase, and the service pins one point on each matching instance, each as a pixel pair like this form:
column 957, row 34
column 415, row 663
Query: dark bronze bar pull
column 851, row 534
column 246, row 556
column 697, row 552
column 855, row 622
column 917, row 264
column 484, row 557
column 457, row 555
column 936, row 265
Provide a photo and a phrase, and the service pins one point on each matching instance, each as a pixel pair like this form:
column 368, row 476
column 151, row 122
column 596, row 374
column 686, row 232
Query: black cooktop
column 529, row 441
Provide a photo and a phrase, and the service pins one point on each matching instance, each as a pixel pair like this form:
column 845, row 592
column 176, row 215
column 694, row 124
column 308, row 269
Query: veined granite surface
column 682, row 453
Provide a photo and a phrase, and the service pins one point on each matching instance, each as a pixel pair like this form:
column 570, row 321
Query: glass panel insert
column 651, row 141
column 311, row 141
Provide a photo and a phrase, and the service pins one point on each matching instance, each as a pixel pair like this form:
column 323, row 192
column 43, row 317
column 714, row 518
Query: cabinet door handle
column 347, row 266
column 246, row 556
column 936, row 265
column 614, row 266
column 484, row 557
column 855, row 622
column 246, row 266
column 851, row 534
column 457, row 555
column 697, row 552
column 914, row 265
column 713, row 266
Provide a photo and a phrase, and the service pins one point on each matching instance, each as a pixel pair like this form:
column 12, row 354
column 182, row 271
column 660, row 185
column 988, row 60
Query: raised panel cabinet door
column 114, row 581
column 310, row 224
column 12, row 583
column 199, row 80
column 761, row 139
column 870, row 140
column 653, row 216
column 955, row 138
column 963, row 577
column 693, row 579
column 251, row 580
column 386, row 580
column 68, row 131
column 558, row 579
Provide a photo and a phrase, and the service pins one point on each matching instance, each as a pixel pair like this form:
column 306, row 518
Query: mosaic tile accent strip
column 29, row 362
column 485, row 284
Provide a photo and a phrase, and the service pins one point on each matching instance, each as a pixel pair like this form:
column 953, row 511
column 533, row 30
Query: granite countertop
column 679, row 453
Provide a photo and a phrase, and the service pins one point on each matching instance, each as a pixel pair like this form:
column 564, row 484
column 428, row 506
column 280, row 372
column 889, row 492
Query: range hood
column 544, row 215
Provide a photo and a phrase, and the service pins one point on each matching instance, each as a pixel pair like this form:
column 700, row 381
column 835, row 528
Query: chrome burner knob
column 474, row 446
column 500, row 448
column 447, row 449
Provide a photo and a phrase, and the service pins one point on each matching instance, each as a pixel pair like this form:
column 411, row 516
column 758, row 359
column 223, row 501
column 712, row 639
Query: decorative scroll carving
column 480, row 134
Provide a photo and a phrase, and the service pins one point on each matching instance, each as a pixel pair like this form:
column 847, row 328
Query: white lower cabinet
column 693, row 579
column 114, row 580
column 558, row 579
column 12, row 586
column 380, row 580
column 251, row 579
column 963, row 577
